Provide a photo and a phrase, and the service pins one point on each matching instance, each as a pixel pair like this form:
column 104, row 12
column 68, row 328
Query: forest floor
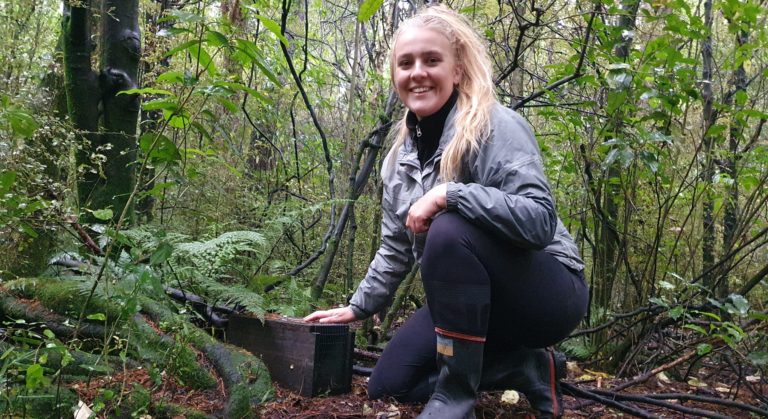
column 289, row 404
column 709, row 381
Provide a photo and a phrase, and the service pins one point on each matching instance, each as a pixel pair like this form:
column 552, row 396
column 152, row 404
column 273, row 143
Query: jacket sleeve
column 508, row 192
column 391, row 264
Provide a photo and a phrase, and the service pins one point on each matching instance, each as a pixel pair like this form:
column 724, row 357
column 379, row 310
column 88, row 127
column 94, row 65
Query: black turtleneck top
column 426, row 133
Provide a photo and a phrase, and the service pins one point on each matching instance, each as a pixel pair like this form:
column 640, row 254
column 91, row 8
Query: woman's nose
column 419, row 70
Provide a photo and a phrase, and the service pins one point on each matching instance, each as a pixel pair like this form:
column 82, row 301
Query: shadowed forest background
column 150, row 150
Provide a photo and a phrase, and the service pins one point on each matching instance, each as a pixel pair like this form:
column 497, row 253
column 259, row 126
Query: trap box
column 310, row 358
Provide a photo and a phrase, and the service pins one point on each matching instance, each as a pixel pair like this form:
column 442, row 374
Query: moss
column 62, row 296
column 170, row 410
column 167, row 353
column 136, row 404
column 245, row 375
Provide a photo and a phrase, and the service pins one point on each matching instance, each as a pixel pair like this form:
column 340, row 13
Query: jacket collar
column 408, row 153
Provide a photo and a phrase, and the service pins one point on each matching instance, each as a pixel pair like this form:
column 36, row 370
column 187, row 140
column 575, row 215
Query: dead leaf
column 695, row 382
column 510, row 397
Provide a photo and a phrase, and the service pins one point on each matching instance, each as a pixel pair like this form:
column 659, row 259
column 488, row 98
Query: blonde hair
column 476, row 92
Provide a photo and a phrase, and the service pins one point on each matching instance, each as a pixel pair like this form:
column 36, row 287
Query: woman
column 465, row 194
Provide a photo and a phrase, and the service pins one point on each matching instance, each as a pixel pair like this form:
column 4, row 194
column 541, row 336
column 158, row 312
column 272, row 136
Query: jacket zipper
column 418, row 131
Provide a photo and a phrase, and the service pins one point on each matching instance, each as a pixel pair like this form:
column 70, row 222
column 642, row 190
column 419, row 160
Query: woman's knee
column 447, row 239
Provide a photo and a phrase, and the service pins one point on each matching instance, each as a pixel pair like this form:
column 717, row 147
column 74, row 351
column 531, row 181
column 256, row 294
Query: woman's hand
column 420, row 214
column 334, row 315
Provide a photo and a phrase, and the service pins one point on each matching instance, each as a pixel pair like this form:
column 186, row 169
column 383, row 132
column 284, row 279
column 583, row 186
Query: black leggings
column 481, row 286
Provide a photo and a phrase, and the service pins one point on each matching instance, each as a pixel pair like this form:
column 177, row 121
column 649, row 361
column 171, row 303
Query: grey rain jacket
column 505, row 191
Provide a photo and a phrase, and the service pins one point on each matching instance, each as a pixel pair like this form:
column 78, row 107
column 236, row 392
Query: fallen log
column 245, row 376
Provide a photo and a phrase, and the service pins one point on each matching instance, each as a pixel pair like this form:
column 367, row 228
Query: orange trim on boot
column 462, row 336
column 553, row 384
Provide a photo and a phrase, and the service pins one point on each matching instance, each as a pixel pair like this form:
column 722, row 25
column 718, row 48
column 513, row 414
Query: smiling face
column 424, row 70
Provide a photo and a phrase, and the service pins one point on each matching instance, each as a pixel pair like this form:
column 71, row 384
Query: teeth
column 420, row 89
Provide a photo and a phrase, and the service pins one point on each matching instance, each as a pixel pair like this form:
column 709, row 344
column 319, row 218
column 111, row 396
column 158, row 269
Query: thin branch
column 576, row 74
column 585, row 394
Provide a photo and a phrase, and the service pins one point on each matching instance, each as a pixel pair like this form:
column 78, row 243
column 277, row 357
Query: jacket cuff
column 360, row 314
column 452, row 192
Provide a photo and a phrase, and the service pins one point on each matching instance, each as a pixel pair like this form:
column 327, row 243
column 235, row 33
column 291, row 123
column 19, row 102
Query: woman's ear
column 458, row 73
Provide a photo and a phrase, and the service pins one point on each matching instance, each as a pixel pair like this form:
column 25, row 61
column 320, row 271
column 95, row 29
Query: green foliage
column 30, row 365
column 367, row 9
column 214, row 258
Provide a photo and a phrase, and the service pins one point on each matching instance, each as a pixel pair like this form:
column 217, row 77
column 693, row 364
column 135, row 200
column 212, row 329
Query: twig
column 86, row 238
column 671, row 406
column 644, row 377
column 707, row 399
column 577, row 73
column 585, row 394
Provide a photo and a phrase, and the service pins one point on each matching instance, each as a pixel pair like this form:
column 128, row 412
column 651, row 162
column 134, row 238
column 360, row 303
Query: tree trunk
column 111, row 145
column 730, row 221
column 708, row 227
column 607, row 249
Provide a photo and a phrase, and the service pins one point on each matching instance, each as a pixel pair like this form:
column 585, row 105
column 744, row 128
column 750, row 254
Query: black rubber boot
column 534, row 372
column 460, row 365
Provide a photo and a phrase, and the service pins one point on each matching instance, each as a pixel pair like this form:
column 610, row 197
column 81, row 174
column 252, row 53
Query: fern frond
column 213, row 258
column 234, row 294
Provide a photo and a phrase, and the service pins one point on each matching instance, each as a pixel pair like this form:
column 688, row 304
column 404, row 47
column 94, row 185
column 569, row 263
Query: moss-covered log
column 12, row 308
column 171, row 354
column 245, row 376
column 146, row 343
column 64, row 296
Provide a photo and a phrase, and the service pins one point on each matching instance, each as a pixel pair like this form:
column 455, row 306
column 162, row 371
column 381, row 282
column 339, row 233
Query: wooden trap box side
column 310, row 358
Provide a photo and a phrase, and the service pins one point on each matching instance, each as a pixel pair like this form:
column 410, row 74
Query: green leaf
column 34, row 376
column 22, row 123
column 696, row 328
column 368, row 9
column 216, row 38
column 7, row 179
column 740, row 303
column 715, row 130
column 183, row 47
column 163, row 252
column 703, row 349
column 273, row 27
column 244, row 88
column 615, row 100
column 178, row 120
column 740, row 97
column 676, row 312
column 250, row 50
column 159, row 148
column 171, row 77
column 104, row 214
column 97, row 316
column 759, row 358
column 49, row 334
column 145, row 91
column 165, row 104
column 201, row 55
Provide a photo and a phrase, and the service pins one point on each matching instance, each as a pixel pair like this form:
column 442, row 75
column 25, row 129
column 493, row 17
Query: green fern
column 234, row 294
column 217, row 257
